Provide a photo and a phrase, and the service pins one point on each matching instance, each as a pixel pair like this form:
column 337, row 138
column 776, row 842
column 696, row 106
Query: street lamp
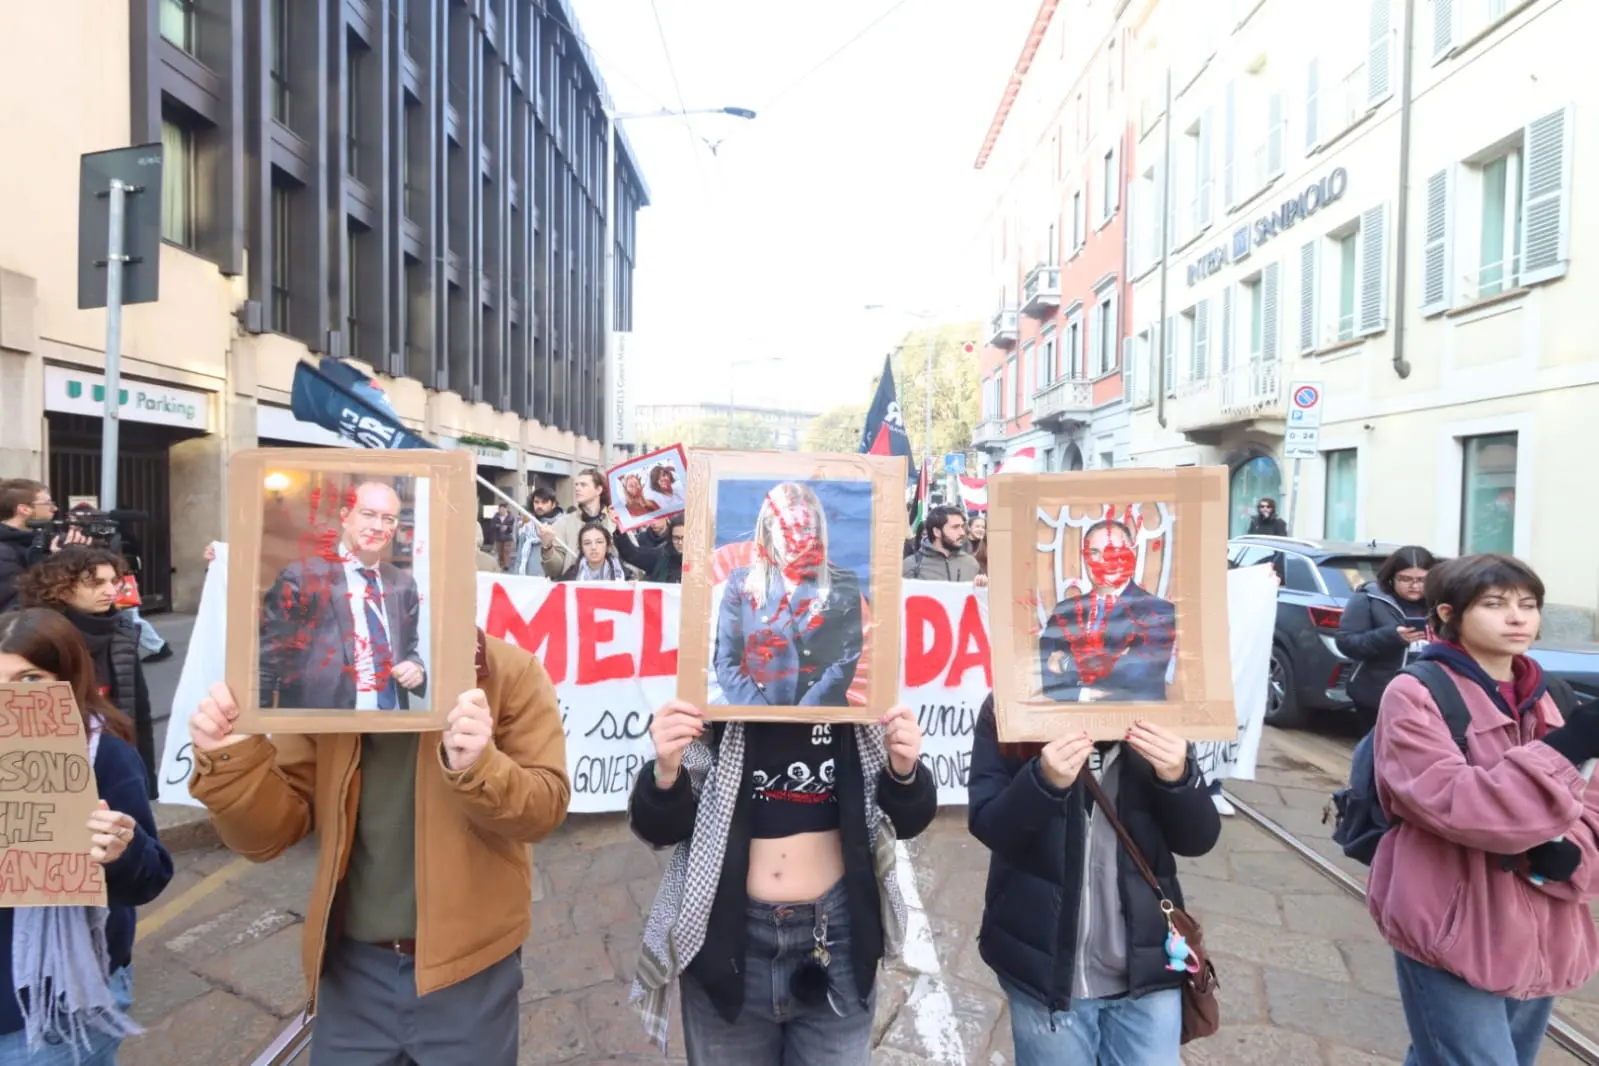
column 932, row 337
column 614, row 399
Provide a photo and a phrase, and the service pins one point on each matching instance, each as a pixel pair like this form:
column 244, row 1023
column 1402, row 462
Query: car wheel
column 1282, row 703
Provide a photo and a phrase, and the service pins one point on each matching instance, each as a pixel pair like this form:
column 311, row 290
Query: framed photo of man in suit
column 791, row 586
column 352, row 561
column 1114, row 587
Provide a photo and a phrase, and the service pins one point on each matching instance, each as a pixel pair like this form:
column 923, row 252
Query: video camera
column 102, row 528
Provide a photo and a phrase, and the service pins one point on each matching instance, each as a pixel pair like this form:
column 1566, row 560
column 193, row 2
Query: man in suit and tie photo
column 1113, row 642
column 340, row 629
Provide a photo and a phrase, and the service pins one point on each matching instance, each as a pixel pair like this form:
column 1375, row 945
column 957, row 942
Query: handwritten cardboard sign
column 1110, row 590
column 791, row 586
column 47, row 793
column 354, row 578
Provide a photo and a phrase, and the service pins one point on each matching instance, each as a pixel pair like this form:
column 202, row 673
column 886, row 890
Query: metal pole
column 1293, row 502
column 113, row 347
column 612, row 400
column 927, row 441
column 1159, row 362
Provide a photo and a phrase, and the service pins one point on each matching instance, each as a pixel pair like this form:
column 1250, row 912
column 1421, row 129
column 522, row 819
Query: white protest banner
column 204, row 665
column 1251, row 619
column 611, row 650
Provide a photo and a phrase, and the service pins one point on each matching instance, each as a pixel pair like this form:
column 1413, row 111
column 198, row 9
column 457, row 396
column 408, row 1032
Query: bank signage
column 80, row 392
column 1246, row 238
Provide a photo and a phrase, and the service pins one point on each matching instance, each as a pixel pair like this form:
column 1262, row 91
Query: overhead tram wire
column 677, row 87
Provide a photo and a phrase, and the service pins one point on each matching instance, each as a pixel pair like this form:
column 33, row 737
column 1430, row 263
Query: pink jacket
column 1438, row 889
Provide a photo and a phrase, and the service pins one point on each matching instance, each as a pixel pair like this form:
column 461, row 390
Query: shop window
column 1488, row 494
column 1251, row 481
column 1341, row 494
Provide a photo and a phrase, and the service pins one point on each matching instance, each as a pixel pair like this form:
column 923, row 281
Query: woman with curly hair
column 67, row 972
column 81, row 583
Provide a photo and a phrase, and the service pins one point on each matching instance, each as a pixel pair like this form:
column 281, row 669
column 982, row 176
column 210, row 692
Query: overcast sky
column 853, row 186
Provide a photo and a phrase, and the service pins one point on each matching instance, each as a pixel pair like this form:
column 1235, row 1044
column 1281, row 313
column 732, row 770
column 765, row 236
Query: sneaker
column 1223, row 808
column 160, row 656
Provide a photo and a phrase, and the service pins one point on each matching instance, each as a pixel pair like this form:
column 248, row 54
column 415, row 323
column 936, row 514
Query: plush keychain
column 1179, row 958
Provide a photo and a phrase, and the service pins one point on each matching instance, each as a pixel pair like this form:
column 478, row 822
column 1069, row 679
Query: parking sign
column 1304, row 405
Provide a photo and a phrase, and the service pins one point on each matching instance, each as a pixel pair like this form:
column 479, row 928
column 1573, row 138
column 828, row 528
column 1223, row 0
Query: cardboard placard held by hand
column 47, row 792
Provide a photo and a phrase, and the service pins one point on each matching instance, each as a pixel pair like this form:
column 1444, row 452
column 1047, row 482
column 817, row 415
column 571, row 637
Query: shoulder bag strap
column 1107, row 808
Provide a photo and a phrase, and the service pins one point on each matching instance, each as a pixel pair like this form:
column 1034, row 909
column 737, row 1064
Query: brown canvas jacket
column 474, row 867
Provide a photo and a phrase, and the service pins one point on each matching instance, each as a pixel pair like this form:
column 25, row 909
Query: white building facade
column 1387, row 211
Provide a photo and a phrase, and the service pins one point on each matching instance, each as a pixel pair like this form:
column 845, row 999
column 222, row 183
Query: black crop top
column 790, row 773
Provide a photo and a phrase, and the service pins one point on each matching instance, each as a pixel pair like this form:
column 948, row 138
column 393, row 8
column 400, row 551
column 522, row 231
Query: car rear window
column 1346, row 573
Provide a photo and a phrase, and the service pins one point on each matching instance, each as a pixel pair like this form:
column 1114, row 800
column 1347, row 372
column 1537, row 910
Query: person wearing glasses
column 1384, row 624
column 339, row 630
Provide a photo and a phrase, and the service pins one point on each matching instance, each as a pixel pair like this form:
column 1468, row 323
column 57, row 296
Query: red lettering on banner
column 654, row 660
column 592, row 632
column 971, row 647
column 928, row 640
column 544, row 635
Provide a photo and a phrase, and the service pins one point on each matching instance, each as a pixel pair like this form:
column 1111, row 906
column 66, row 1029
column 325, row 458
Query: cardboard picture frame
column 643, row 466
column 445, row 595
column 874, row 680
column 50, row 791
column 1184, row 540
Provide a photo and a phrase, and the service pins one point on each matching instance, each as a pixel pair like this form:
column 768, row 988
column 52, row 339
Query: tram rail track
column 1571, row 1039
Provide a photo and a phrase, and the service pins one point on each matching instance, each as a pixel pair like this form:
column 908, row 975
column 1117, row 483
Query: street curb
column 183, row 828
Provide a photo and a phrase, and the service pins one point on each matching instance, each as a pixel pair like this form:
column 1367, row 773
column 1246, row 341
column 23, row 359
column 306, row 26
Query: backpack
column 1361, row 822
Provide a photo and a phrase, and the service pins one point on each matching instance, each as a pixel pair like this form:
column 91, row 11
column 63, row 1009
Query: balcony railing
column 1041, row 291
column 988, row 431
column 1253, row 390
column 1066, row 400
column 1002, row 329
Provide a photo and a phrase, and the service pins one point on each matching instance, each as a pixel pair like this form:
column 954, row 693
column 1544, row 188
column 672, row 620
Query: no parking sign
column 1302, row 440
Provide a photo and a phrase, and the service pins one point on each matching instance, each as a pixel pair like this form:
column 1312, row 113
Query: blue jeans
column 102, row 1050
column 1454, row 1024
column 774, row 1029
column 1147, row 1031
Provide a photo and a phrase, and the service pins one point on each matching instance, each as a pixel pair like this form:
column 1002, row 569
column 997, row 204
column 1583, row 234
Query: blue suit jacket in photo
column 783, row 655
column 1142, row 624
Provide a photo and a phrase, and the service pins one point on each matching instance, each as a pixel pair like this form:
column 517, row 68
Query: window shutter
column 1312, row 105
column 1091, row 362
column 1229, row 146
column 1379, row 57
column 1371, row 313
column 1546, row 200
column 1307, row 297
column 1204, row 167
column 1227, row 330
column 1129, row 369
column 1201, row 362
column 1276, row 119
column 1271, row 305
column 1169, row 342
column 1134, row 242
column 1115, row 180
column 1443, row 29
column 1435, row 259
column 1156, row 215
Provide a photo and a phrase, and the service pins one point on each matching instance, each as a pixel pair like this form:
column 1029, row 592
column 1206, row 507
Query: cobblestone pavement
column 1304, row 977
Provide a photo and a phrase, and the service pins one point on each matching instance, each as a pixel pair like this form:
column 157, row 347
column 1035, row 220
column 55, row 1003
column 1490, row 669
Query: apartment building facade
column 1387, row 210
column 1056, row 155
column 416, row 185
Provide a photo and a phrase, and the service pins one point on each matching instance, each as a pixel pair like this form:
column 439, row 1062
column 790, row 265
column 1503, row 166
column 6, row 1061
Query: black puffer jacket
column 1036, row 835
column 19, row 550
column 664, row 818
column 113, row 642
column 1368, row 633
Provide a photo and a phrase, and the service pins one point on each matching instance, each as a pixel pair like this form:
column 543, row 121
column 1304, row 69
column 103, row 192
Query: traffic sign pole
column 109, row 437
column 1302, row 438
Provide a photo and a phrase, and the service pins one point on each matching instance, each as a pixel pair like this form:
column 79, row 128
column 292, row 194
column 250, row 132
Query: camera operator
column 24, row 505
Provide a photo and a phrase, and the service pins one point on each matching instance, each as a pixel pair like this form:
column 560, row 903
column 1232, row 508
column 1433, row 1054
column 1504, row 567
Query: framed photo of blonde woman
column 791, row 586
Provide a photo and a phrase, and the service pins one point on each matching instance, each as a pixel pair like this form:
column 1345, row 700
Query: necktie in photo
column 378, row 637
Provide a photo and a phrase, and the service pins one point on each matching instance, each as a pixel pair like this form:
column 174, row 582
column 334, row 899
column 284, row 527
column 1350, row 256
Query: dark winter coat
column 1036, row 836
column 113, row 642
column 1259, row 525
column 19, row 550
column 1368, row 633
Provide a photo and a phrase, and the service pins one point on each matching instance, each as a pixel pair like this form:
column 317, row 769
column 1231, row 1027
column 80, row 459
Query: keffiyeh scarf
column 61, row 970
column 675, row 930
